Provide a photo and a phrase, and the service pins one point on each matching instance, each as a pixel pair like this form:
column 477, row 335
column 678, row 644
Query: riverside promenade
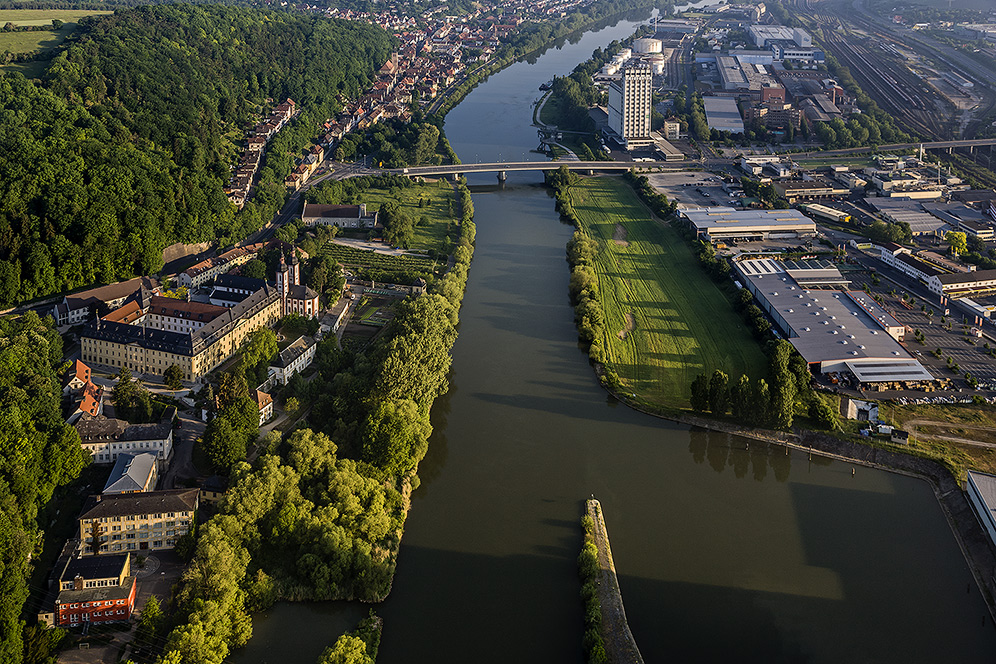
column 620, row 645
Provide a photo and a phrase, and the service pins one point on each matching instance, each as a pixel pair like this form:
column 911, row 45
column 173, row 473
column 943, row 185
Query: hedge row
column 588, row 570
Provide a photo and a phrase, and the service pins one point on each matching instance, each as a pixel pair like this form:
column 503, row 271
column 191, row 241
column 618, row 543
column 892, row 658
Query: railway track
column 890, row 84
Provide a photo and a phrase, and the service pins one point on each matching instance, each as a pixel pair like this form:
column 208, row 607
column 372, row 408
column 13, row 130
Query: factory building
column 835, row 331
column 981, row 490
column 963, row 284
column 764, row 35
column 725, row 223
column 794, row 190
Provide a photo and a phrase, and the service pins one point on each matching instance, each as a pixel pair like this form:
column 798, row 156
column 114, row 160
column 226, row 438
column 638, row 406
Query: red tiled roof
column 168, row 306
column 262, row 399
column 128, row 313
column 78, row 371
column 90, row 401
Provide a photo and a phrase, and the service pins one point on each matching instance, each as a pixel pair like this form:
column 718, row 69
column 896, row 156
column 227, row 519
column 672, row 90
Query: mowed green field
column 45, row 16
column 442, row 213
column 23, row 42
column 666, row 320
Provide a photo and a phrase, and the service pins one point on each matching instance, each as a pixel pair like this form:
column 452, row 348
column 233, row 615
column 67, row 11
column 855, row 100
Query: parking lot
column 953, row 338
column 691, row 189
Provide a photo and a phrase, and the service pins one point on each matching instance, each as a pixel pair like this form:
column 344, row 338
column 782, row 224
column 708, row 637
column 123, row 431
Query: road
column 499, row 166
column 450, row 89
column 330, row 170
column 911, row 426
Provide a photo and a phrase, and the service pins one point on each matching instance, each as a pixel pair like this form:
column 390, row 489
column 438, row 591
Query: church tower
column 295, row 270
column 283, row 286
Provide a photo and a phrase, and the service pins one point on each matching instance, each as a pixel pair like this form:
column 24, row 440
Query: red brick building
column 95, row 589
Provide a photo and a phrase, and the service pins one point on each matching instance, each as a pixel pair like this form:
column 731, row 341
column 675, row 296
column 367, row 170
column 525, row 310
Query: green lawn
column 45, row 16
column 550, row 113
column 441, row 214
column 666, row 320
column 22, row 42
column 33, row 69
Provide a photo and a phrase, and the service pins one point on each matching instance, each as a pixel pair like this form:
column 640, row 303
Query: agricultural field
column 45, row 16
column 39, row 40
column 666, row 321
column 440, row 208
column 351, row 256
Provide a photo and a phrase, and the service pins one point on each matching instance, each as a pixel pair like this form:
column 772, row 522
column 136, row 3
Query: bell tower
column 282, row 284
column 295, row 269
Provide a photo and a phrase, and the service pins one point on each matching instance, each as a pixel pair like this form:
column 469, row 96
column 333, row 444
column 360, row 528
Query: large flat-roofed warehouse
column 722, row 114
column 981, row 490
column 726, row 223
column 834, row 331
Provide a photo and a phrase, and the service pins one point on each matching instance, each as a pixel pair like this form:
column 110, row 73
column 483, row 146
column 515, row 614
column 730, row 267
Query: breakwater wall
column 620, row 645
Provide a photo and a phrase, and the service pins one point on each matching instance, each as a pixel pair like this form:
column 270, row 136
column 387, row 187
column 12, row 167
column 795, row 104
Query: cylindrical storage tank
column 609, row 70
column 625, row 54
column 647, row 45
column 657, row 66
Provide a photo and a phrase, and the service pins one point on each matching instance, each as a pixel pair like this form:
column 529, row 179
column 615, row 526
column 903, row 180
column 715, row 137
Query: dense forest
column 38, row 453
column 120, row 156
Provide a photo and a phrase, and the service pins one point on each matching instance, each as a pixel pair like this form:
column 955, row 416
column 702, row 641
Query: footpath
column 620, row 645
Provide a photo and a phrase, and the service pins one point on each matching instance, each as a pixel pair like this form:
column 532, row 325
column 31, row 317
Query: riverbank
column 596, row 306
column 968, row 533
column 569, row 27
column 620, row 646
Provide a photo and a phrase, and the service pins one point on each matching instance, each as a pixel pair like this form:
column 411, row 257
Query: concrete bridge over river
column 590, row 167
column 503, row 167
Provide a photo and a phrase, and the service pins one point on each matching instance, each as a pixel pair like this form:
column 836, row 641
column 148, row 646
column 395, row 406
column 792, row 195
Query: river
column 726, row 551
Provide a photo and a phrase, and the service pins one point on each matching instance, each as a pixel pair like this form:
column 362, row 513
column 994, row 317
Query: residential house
column 80, row 307
column 147, row 521
column 230, row 289
column 264, row 404
column 77, row 376
column 95, row 590
column 213, row 489
column 89, row 400
column 105, row 438
column 133, row 473
column 293, row 359
column 201, row 273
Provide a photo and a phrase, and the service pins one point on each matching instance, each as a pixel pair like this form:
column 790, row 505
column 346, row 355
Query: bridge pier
column 591, row 171
column 455, row 177
column 502, row 177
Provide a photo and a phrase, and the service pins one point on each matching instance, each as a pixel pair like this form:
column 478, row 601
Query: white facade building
column 105, row 438
column 293, row 359
column 630, row 101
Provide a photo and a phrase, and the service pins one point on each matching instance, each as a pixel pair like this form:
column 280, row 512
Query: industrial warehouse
column 726, row 223
column 835, row 331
